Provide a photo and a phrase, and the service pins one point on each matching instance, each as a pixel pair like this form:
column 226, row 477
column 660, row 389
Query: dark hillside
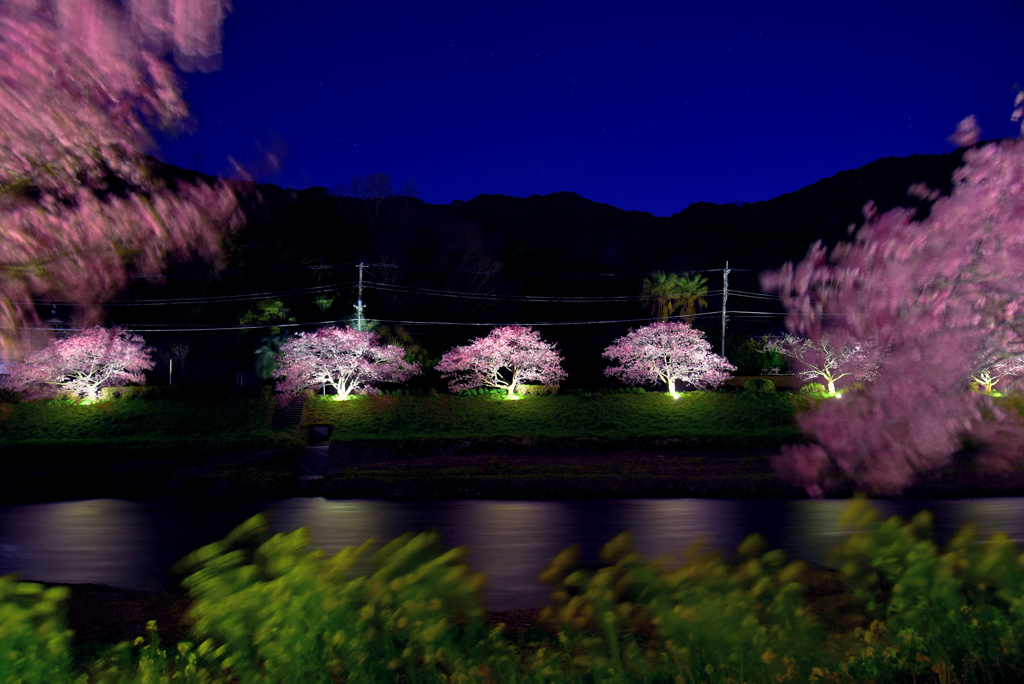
column 441, row 271
column 561, row 231
column 766, row 234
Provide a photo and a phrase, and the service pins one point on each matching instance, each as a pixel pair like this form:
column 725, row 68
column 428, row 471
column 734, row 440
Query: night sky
column 645, row 106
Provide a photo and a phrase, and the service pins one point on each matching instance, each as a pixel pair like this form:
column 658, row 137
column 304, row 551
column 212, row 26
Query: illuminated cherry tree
column 1012, row 365
column 824, row 359
column 505, row 358
column 83, row 364
column 347, row 360
column 81, row 84
column 944, row 296
column 669, row 353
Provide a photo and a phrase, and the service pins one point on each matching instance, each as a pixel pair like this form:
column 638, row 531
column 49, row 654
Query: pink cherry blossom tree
column 943, row 295
column 346, row 359
column 508, row 356
column 822, row 358
column 83, row 364
column 1012, row 365
column 670, row 353
column 82, row 82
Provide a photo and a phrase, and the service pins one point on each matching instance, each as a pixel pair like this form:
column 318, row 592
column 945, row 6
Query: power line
column 423, row 291
column 528, row 298
column 370, row 285
column 397, row 288
column 754, row 295
column 511, row 298
column 318, row 324
column 201, row 300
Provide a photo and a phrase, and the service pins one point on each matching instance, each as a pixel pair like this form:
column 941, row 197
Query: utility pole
column 359, row 301
column 725, row 298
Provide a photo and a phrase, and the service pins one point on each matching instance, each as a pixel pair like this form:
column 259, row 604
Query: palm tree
column 661, row 293
column 668, row 293
column 692, row 288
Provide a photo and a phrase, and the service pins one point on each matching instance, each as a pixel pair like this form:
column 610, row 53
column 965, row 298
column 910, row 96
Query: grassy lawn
column 139, row 427
column 701, row 415
column 711, row 418
column 143, row 449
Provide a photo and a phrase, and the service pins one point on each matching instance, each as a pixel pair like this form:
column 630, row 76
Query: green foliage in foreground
column 267, row 609
column 34, row 643
column 730, row 417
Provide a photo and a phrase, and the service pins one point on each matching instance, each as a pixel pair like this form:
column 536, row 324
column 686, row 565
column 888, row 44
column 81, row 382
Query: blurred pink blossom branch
column 81, row 84
column 944, row 297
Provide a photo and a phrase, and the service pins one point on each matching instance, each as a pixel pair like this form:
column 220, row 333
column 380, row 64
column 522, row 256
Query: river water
column 133, row 544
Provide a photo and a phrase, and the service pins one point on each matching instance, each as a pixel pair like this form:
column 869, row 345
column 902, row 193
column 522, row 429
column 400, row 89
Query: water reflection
column 74, row 543
column 132, row 544
column 108, row 541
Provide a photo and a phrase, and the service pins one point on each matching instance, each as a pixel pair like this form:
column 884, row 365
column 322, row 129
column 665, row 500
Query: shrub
column 132, row 392
column 759, row 385
column 814, row 389
column 619, row 390
column 482, row 392
column 536, row 390
column 750, row 357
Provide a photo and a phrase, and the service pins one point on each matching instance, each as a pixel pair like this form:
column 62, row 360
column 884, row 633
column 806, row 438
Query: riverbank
column 481, row 469
column 711, row 445
column 527, row 470
column 397, row 447
column 387, row 471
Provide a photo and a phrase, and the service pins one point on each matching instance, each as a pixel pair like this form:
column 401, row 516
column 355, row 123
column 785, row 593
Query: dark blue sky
column 642, row 105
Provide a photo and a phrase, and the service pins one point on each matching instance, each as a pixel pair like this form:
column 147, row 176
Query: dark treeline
column 542, row 259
